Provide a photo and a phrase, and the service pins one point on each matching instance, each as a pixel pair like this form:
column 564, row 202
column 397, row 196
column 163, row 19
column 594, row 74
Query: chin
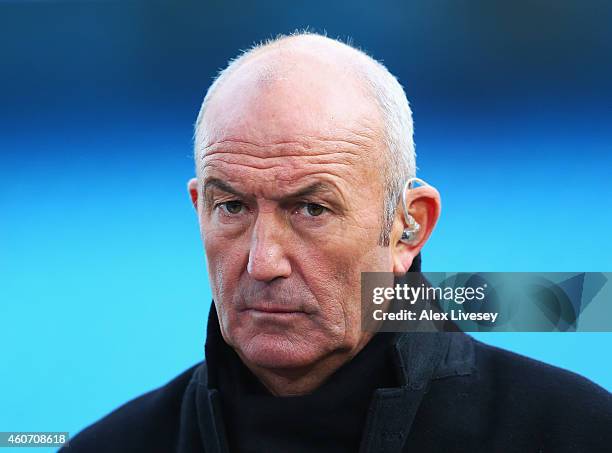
column 279, row 351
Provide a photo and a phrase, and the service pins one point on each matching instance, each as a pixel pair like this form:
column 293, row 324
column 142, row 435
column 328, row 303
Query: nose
column 267, row 258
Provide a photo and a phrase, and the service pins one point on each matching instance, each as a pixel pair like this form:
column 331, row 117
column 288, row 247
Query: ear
column 424, row 206
column 192, row 187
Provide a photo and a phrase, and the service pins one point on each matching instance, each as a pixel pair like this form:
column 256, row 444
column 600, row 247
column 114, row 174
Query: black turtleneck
column 330, row 419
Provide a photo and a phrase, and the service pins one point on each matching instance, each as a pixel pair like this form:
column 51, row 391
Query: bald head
column 276, row 58
column 287, row 93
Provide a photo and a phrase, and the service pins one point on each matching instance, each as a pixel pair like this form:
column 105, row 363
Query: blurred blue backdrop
column 104, row 292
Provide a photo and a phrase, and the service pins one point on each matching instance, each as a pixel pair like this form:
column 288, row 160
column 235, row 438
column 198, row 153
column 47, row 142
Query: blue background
column 104, row 291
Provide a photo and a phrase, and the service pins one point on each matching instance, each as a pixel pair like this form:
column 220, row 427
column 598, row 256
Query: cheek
column 226, row 260
column 332, row 271
column 225, row 265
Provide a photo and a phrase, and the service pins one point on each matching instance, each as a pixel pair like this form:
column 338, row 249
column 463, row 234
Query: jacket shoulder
column 555, row 399
column 149, row 422
column 509, row 402
column 508, row 368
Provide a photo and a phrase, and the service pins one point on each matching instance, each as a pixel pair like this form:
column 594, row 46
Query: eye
column 314, row 209
column 232, row 207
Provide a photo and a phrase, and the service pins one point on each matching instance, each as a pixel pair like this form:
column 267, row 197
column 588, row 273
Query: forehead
column 282, row 96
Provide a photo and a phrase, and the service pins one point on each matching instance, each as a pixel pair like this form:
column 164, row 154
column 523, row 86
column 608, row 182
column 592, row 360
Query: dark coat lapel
column 392, row 411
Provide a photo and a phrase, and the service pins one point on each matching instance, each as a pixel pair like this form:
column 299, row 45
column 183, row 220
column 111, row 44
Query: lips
column 272, row 307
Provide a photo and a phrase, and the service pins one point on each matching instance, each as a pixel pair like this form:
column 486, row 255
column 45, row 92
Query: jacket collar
column 421, row 358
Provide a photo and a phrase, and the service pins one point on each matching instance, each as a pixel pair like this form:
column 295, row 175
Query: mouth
column 273, row 309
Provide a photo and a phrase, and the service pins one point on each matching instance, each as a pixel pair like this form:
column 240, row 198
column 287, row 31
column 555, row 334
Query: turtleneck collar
column 332, row 418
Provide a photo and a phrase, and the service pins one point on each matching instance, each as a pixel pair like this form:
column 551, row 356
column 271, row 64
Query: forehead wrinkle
column 293, row 161
column 329, row 183
column 361, row 133
column 295, row 153
column 284, row 167
column 275, row 171
column 335, row 145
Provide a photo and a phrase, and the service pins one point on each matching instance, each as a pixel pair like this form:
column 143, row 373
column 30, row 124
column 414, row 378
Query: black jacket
column 456, row 395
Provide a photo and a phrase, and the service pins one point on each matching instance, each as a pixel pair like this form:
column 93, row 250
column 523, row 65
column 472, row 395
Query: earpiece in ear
column 410, row 234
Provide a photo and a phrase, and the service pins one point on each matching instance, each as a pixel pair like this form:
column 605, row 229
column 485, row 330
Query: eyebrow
column 316, row 188
column 221, row 185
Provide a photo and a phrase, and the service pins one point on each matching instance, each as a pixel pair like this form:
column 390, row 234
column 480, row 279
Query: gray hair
column 400, row 162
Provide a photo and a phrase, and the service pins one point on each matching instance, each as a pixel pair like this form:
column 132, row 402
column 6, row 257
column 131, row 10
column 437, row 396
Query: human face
column 289, row 196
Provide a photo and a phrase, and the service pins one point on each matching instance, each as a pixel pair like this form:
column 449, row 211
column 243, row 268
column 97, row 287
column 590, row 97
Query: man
column 302, row 147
